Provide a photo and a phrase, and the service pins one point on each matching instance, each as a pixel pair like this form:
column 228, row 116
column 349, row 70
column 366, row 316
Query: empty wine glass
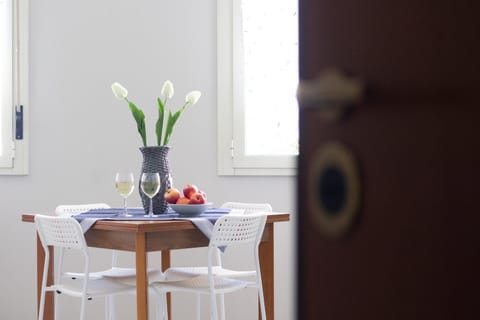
column 124, row 183
column 150, row 184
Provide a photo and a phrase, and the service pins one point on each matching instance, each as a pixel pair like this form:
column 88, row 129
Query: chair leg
column 262, row 302
column 213, row 307
column 165, row 306
column 110, row 307
column 82, row 308
column 222, row 306
column 41, row 309
column 161, row 306
column 197, row 306
column 159, row 315
column 55, row 304
column 107, row 309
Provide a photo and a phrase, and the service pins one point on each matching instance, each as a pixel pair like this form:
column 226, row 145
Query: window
column 13, row 86
column 257, row 82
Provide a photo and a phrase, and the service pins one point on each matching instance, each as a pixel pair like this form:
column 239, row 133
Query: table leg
column 141, row 269
column 266, row 268
column 48, row 313
column 165, row 265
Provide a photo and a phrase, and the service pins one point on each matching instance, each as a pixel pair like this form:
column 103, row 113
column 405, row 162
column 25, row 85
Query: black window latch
column 19, row 123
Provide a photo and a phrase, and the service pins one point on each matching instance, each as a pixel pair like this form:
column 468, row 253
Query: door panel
column 413, row 251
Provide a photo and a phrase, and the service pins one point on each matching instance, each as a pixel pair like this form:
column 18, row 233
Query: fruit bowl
column 190, row 209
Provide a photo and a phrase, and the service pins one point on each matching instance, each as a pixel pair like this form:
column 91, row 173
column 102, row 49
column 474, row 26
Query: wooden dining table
column 142, row 237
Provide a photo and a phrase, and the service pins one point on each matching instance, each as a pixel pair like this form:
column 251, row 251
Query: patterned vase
column 155, row 159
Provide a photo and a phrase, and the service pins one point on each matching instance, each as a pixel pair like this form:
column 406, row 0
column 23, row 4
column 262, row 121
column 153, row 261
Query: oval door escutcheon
column 334, row 190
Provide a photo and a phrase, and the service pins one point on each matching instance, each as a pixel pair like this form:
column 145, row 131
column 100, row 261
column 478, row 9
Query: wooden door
column 413, row 251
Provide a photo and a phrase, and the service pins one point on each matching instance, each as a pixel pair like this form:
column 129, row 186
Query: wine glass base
column 151, row 216
column 126, row 215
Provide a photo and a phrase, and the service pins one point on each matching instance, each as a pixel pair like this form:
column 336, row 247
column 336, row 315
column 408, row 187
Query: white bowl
column 190, row 209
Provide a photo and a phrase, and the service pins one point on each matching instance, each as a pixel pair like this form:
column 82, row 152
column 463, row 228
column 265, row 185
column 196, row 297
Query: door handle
column 332, row 92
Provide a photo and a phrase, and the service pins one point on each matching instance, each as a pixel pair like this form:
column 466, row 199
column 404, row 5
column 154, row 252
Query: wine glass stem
column 125, row 206
column 150, row 213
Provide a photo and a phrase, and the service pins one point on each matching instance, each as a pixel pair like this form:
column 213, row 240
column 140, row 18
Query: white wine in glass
column 124, row 182
column 150, row 184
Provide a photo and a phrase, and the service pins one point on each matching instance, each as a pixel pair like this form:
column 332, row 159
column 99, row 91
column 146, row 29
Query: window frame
column 19, row 147
column 231, row 156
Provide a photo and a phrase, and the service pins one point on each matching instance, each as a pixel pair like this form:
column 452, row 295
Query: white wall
column 81, row 135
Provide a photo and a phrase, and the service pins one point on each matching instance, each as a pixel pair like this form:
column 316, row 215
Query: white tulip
column 119, row 91
column 193, row 97
column 167, row 89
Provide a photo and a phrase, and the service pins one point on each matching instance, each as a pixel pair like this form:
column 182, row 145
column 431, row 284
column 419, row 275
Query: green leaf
column 168, row 130
column 159, row 124
column 172, row 119
column 139, row 117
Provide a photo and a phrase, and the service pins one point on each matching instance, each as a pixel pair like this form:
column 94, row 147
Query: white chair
column 115, row 272
column 188, row 272
column 229, row 230
column 218, row 269
column 66, row 233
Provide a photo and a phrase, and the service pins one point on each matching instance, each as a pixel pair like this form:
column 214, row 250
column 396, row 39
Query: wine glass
column 124, row 183
column 150, row 184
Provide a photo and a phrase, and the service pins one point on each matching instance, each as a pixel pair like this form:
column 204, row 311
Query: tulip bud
column 119, row 91
column 167, row 90
column 193, row 97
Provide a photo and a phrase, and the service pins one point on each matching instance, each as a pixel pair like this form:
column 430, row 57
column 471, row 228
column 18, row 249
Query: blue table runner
column 204, row 221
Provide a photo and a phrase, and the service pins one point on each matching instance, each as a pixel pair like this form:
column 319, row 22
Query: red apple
column 204, row 194
column 189, row 190
column 197, row 198
column 183, row 200
column 172, row 195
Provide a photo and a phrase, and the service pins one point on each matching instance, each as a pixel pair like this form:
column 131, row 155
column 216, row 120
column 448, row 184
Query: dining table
column 145, row 236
